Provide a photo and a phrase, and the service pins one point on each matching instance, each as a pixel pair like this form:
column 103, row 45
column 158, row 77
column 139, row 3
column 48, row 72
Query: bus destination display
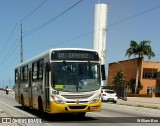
column 74, row 55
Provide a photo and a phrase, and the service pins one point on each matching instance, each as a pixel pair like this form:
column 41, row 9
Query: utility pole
column 21, row 46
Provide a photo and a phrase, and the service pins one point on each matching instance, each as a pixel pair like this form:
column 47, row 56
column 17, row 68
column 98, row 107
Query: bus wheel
column 40, row 108
column 22, row 102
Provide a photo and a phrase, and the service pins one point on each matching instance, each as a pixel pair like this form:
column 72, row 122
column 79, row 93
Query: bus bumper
column 74, row 108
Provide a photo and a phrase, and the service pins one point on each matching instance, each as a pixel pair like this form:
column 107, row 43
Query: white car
column 109, row 95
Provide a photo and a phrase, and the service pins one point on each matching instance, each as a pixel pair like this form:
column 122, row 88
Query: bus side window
column 16, row 76
column 34, row 71
column 40, row 70
column 26, row 73
column 22, row 74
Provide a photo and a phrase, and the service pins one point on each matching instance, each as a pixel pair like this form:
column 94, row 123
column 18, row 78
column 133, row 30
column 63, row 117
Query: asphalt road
column 113, row 114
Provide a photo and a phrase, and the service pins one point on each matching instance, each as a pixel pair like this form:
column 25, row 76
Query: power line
column 85, row 34
column 143, row 12
column 16, row 26
column 65, row 41
column 41, row 26
column 8, row 39
column 33, row 11
column 9, row 54
column 80, row 36
column 53, row 19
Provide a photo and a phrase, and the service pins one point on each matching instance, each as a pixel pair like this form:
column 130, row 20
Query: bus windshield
column 75, row 76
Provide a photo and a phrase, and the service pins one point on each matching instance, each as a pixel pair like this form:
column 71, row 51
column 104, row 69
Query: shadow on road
column 61, row 118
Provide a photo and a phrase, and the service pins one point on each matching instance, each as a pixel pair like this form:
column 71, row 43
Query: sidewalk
column 4, row 114
column 141, row 101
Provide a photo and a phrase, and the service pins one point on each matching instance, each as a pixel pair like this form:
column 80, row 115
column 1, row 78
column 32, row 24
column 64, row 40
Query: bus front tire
column 40, row 108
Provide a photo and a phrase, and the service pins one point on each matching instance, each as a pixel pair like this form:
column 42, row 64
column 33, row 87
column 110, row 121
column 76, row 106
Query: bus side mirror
column 47, row 67
column 103, row 72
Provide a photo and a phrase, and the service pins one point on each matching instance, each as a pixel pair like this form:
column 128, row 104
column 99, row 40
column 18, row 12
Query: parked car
column 109, row 95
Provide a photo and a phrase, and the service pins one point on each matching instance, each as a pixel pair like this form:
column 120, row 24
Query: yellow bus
column 65, row 80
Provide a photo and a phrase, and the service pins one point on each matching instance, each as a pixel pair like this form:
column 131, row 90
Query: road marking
column 98, row 114
column 18, row 110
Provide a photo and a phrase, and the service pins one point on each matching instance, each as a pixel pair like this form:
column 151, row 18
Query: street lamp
column 121, row 66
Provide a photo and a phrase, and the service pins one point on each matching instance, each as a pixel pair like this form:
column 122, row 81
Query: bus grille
column 75, row 101
column 76, row 96
column 77, row 107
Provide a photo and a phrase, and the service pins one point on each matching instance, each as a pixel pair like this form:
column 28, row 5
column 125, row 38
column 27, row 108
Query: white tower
column 99, row 36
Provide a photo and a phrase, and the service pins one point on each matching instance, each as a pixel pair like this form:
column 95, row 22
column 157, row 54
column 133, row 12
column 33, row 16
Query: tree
column 139, row 50
column 118, row 79
column 131, row 86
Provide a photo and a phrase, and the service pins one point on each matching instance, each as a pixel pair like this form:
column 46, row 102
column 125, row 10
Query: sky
column 62, row 25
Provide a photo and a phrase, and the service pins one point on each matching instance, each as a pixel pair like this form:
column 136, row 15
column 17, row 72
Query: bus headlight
column 57, row 99
column 95, row 99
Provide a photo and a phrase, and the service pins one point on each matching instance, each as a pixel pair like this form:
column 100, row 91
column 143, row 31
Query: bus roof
column 73, row 49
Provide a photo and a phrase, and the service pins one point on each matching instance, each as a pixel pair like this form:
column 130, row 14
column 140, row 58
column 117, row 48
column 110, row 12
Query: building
column 149, row 74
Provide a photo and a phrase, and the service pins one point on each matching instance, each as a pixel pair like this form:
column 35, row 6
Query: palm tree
column 139, row 50
column 131, row 85
column 118, row 79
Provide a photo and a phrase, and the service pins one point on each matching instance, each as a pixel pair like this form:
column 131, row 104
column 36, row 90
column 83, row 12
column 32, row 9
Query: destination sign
column 74, row 55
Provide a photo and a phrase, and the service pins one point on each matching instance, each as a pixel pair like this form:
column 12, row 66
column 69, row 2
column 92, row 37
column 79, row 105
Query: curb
column 144, row 105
